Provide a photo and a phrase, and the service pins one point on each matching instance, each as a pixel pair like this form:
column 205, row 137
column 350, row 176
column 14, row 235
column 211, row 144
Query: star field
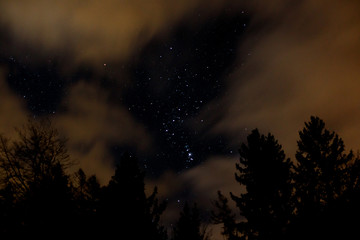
column 171, row 81
column 175, row 80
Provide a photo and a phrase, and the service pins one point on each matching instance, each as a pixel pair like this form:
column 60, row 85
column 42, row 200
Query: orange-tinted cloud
column 90, row 122
column 93, row 124
column 93, row 33
column 96, row 32
column 12, row 109
column 200, row 184
column 303, row 59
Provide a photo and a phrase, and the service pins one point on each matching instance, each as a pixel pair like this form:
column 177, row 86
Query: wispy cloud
column 199, row 184
column 93, row 125
column 12, row 108
column 302, row 59
column 90, row 122
column 94, row 32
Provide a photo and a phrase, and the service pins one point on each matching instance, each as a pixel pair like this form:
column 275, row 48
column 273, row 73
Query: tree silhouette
column 32, row 168
column 34, row 157
column 266, row 173
column 321, row 178
column 87, row 196
column 321, row 169
column 126, row 207
column 224, row 215
column 8, row 213
column 188, row 226
column 87, row 192
column 39, row 199
column 347, row 209
column 315, row 198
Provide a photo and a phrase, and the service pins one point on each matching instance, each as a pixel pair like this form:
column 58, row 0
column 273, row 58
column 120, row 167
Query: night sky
column 179, row 83
column 171, row 80
column 189, row 70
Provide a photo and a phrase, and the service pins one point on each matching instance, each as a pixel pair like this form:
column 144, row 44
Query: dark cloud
column 97, row 32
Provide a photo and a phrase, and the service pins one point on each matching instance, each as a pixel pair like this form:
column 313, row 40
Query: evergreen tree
column 224, row 215
column 126, row 207
column 87, row 191
column 320, row 173
column 348, row 208
column 266, row 173
column 321, row 178
column 87, row 196
column 188, row 226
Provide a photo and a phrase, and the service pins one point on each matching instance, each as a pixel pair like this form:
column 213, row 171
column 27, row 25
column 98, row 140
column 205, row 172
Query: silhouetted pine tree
column 188, row 226
column 321, row 178
column 125, row 209
column 224, row 215
column 347, row 209
column 320, row 174
column 87, row 196
column 266, row 173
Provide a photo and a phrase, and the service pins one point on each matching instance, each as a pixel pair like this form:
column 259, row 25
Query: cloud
column 95, row 32
column 302, row 60
column 90, row 122
column 12, row 109
column 217, row 173
column 198, row 184
column 93, row 125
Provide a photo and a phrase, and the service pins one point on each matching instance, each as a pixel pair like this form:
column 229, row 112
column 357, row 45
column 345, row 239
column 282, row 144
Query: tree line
column 39, row 198
column 315, row 196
